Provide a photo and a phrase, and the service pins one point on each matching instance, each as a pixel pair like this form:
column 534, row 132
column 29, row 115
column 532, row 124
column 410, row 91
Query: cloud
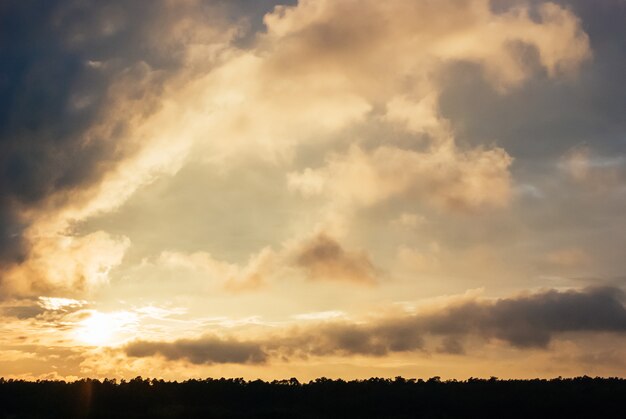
column 443, row 176
column 323, row 258
column 22, row 312
column 586, row 168
column 27, row 309
column 391, row 55
column 395, row 39
column 451, row 345
column 207, row 350
column 525, row 321
column 532, row 320
column 232, row 277
column 68, row 265
column 318, row 257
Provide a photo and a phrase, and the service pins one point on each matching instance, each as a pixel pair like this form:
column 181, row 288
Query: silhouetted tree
column 581, row 397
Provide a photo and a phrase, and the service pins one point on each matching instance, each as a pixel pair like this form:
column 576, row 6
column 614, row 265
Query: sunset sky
column 339, row 188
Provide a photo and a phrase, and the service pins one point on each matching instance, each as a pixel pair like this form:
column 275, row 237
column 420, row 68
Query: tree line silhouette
column 579, row 397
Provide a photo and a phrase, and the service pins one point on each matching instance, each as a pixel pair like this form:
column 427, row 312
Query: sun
column 103, row 329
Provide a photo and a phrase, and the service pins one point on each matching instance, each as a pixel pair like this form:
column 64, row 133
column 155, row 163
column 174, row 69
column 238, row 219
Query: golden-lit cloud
column 453, row 180
column 232, row 277
column 66, row 265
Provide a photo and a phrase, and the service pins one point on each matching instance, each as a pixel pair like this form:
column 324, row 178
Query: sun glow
column 103, row 329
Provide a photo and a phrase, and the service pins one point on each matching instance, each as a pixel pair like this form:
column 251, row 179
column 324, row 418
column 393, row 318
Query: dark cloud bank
column 528, row 321
column 49, row 97
column 207, row 349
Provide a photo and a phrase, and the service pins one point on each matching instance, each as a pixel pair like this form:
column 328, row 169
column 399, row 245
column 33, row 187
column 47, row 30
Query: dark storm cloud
column 206, row 350
column 36, row 76
column 58, row 63
column 49, row 97
column 529, row 321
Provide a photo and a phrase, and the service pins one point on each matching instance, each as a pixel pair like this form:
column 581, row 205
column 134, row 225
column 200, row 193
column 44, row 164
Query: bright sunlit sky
column 340, row 188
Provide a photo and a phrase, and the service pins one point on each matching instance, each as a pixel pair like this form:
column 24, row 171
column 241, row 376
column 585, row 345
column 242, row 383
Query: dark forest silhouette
column 321, row 398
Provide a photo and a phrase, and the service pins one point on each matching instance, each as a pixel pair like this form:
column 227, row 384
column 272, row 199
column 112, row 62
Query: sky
column 338, row 188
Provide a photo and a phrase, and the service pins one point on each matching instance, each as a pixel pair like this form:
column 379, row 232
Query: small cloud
column 585, row 167
column 56, row 303
column 577, row 163
column 528, row 190
column 324, row 258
